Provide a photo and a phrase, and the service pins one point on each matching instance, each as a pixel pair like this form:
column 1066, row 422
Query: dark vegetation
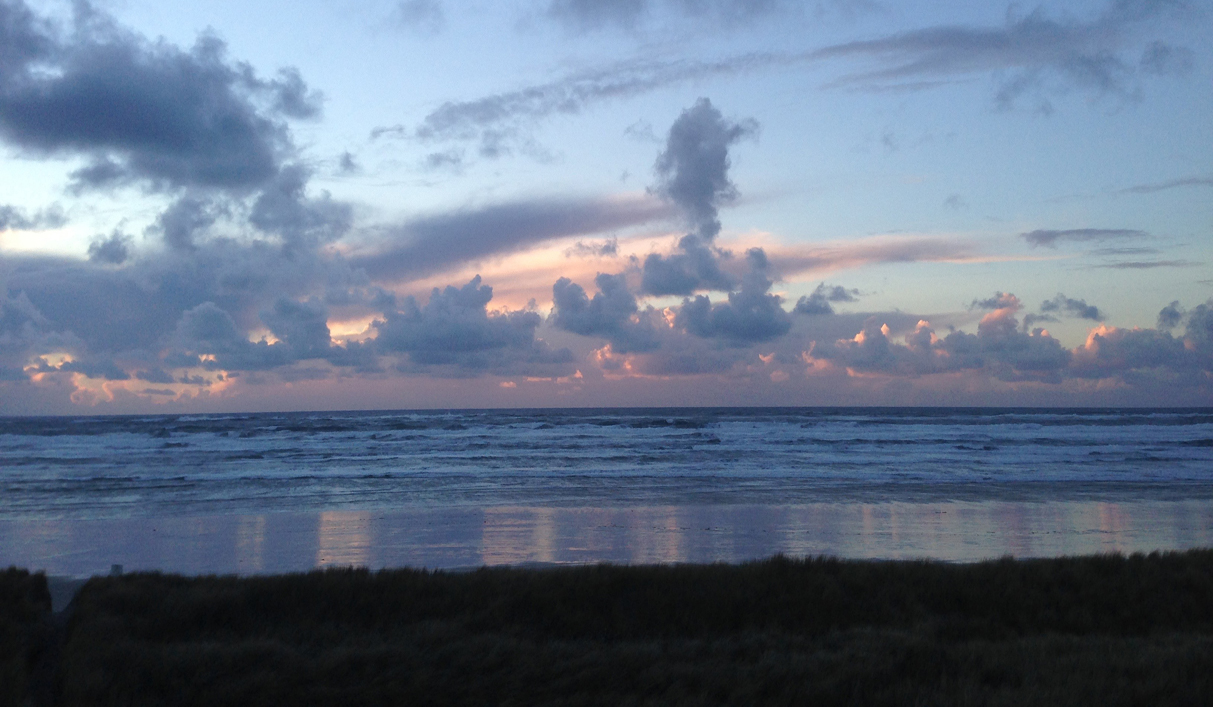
column 1103, row 630
column 25, row 605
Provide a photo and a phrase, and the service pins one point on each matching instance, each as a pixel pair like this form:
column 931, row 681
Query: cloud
column 1170, row 316
column 751, row 315
column 1169, row 184
column 283, row 208
column 455, row 329
column 998, row 348
column 1148, row 264
column 424, row 16
column 1163, row 59
column 113, row 249
column 593, row 249
column 1027, row 52
column 818, row 302
column 1074, row 307
column 1050, row 238
column 1061, row 304
column 589, row 15
column 501, row 120
column 301, row 330
column 693, row 173
column 140, row 110
column 612, row 314
column 1023, row 55
column 15, row 219
column 434, row 243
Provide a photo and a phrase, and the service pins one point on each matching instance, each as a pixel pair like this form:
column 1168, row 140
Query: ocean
column 290, row 491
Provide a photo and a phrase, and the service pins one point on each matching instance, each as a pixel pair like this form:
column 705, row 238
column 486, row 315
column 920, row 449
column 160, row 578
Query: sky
column 262, row 205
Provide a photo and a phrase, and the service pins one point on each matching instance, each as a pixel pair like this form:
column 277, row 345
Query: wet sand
column 450, row 538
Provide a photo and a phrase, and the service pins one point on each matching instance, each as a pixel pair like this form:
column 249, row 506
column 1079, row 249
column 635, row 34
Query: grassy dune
column 1092, row 630
column 24, row 609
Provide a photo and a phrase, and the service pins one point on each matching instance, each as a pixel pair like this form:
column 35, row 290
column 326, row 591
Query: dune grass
column 1090, row 630
column 25, row 606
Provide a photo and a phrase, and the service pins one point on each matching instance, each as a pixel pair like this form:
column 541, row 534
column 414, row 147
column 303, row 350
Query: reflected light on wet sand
column 468, row 537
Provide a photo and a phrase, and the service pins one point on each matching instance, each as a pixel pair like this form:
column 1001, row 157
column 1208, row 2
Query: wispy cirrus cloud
column 1107, row 54
column 441, row 242
column 1180, row 183
column 1094, row 55
column 1051, row 237
column 1148, row 264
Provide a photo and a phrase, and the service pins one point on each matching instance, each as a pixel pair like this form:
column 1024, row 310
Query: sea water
column 291, row 491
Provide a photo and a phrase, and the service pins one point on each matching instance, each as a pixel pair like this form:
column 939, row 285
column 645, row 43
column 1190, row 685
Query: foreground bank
column 1089, row 630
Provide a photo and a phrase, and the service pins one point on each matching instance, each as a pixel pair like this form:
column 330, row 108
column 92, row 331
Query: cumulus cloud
column 693, row 173
column 818, row 302
column 141, row 110
column 612, row 314
column 1062, row 305
column 113, row 249
column 1170, row 316
column 455, row 329
column 15, row 219
column 1050, row 237
column 1073, row 307
column 998, row 347
column 751, row 314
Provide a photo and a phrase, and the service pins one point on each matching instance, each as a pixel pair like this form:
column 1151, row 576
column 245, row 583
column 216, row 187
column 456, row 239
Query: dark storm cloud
column 693, row 173
column 1092, row 55
column 1050, row 237
column 455, row 329
column 15, row 219
column 434, row 243
column 751, row 315
column 818, row 302
column 141, row 110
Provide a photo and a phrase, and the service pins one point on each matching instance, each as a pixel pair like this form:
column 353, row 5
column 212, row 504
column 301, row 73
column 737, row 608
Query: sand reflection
column 344, row 539
column 468, row 537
